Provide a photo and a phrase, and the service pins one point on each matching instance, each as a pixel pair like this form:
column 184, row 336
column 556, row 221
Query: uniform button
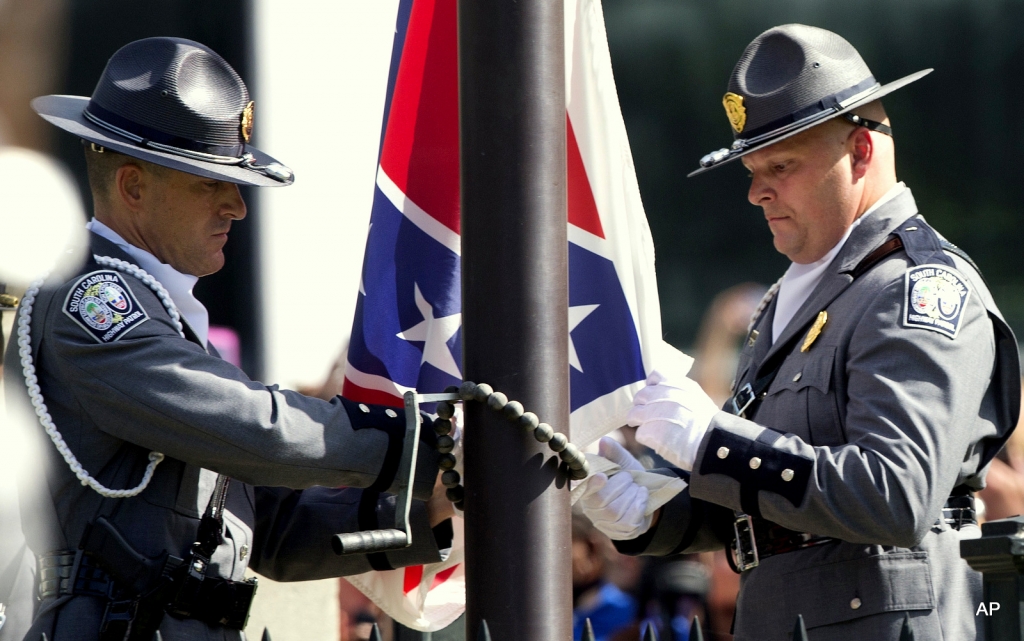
column 243, row 552
column 391, row 413
column 755, row 463
column 787, row 475
column 364, row 408
column 723, row 452
column 797, row 376
column 855, row 603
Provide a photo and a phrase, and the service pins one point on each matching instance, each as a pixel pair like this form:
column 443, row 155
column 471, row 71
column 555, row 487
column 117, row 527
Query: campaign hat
column 791, row 78
column 175, row 103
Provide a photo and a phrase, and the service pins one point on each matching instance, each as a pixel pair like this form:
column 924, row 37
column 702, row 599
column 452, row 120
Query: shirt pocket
column 801, row 399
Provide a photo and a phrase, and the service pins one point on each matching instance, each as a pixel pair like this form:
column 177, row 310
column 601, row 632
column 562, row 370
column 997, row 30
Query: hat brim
column 66, row 112
column 880, row 92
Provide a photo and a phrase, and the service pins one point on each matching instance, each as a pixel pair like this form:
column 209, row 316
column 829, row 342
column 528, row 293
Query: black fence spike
column 588, row 631
column 649, row 634
column 266, row 635
column 374, row 633
column 695, row 632
column 799, row 630
column 485, row 632
column 907, row 632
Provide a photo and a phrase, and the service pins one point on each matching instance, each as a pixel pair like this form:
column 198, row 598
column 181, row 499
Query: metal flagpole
column 515, row 319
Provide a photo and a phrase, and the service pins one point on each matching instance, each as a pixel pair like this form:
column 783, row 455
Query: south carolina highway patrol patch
column 104, row 306
column 935, row 298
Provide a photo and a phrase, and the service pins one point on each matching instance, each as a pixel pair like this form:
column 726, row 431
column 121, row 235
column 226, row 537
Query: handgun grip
column 369, row 541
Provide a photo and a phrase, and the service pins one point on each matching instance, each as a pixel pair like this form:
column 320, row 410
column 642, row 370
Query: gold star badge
column 735, row 110
column 815, row 331
column 247, row 115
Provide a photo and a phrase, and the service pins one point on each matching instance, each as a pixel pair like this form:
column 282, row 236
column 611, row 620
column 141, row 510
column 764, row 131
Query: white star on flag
column 576, row 316
column 435, row 334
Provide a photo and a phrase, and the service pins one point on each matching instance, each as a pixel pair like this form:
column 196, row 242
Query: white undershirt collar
column 179, row 286
column 800, row 280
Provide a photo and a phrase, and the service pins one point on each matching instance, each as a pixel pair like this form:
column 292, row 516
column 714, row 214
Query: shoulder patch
column 103, row 305
column 934, row 298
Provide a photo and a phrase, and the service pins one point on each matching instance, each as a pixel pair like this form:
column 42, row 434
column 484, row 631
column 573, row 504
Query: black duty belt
column 216, row 601
column 68, row 572
column 140, row 590
column 756, row 539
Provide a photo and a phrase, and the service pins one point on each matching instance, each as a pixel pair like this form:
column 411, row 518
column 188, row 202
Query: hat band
column 148, row 137
column 828, row 104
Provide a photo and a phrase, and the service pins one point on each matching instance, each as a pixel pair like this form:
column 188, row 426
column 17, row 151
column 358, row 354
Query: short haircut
column 102, row 165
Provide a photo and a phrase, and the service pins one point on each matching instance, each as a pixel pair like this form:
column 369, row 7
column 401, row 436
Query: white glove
column 672, row 417
column 617, row 505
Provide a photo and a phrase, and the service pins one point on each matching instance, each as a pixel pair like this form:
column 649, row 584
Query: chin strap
column 873, row 125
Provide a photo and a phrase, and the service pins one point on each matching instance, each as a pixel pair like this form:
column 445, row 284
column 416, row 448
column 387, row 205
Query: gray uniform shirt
column 861, row 437
column 149, row 389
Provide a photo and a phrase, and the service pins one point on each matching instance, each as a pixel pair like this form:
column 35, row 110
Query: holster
column 140, row 589
column 140, row 585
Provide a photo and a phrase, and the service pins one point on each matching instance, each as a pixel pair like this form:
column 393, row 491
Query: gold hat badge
column 815, row 331
column 247, row 115
column 735, row 110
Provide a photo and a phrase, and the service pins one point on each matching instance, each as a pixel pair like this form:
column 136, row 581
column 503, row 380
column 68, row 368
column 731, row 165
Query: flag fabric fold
column 407, row 328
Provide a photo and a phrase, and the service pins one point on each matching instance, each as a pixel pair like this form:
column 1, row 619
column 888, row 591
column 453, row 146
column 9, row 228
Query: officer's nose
column 234, row 206
column 760, row 192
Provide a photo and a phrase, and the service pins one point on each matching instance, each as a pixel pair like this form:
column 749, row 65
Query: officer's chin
column 211, row 265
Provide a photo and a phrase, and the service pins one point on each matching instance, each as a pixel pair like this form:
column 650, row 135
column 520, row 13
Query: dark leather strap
column 211, row 526
column 772, row 539
column 761, row 384
column 925, row 247
column 887, row 248
column 873, row 125
column 895, row 244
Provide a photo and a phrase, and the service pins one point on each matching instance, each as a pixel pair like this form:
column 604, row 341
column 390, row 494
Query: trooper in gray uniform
column 877, row 381
column 165, row 470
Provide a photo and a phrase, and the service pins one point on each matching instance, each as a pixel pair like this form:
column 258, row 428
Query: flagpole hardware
column 513, row 411
column 399, row 537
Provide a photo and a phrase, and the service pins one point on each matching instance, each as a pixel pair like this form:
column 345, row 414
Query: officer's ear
column 862, row 150
column 129, row 185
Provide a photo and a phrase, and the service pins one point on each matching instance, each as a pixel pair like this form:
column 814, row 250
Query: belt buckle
column 739, row 403
column 743, row 528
